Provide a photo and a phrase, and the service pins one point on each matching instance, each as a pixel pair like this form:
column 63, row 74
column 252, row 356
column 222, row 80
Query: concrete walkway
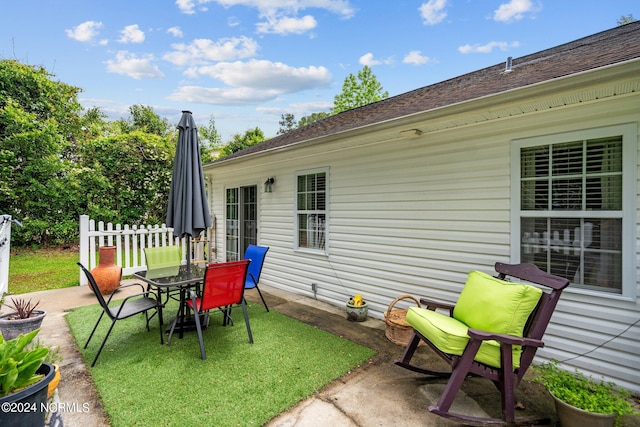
column 376, row 394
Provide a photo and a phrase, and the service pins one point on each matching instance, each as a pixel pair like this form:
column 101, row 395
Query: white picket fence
column 5, row 252
column 130, row 242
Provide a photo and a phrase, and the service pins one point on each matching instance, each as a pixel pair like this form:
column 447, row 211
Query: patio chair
column 139, row 303
column 166, row 259
column 493, row 331
column 223, row 288
column 256, row 255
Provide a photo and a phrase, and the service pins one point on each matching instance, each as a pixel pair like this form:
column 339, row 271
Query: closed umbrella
column 188, row 209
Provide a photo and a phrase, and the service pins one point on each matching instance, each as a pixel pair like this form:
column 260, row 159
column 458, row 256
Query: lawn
column 42, row 269
column 143, row 383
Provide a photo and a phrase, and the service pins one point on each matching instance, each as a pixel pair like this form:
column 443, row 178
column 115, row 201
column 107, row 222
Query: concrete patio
column 376, row 394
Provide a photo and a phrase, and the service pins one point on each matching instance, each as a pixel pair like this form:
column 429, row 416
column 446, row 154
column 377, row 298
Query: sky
column 245, row 63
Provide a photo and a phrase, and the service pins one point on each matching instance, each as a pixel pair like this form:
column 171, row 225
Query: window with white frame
column 311, row 209
column 571, row 216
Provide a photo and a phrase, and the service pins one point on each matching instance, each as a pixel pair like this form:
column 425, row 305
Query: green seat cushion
column 485, row 303
column 450, row 336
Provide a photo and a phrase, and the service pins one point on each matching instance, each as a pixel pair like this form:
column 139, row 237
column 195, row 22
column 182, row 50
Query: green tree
column 39, row 122
column 287, row 123
column 143, row 118
column 623, row 20
column 210, row 141
column 240, row 142
column 312, row 118
column 125, row 178
column 358, row 91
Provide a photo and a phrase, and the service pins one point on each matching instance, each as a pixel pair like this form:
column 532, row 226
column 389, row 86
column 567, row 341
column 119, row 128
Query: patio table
column 172, row 279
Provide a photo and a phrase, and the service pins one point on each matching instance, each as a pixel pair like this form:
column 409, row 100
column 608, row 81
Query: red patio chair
column 223, row 287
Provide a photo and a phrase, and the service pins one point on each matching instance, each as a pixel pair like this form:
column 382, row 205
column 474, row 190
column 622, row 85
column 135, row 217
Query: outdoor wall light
column 268, row 183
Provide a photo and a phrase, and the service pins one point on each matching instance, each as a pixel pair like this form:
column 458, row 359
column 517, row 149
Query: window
column 571, row 218
column 311, row 210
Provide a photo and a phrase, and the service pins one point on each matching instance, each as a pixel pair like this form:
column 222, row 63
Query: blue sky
column 247, row 62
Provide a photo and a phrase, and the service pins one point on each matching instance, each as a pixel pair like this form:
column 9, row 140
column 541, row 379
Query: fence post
column 5, row 252
column 84, row 247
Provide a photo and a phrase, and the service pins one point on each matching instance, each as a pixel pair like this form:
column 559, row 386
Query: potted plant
column 357, row 309
column 582, row 401
column 23, row 319
column 24, row 380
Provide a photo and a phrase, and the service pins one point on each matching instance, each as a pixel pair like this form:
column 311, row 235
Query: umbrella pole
column 188, row 255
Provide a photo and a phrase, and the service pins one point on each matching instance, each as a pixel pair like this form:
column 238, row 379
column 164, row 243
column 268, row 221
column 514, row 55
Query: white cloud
column 85, row 32
column 368, row 60
column 287, row 25
column 487, row 48
column 415, row 57
column 513, row 11
column 269, row 7
column 298, row 109
column 222, row 96
column 130, row 65
column 186, row 6
column 432, row 12
column 266, row 75
column 175, row 31
column 201, row 51
column 131, row 34
column 274, row 7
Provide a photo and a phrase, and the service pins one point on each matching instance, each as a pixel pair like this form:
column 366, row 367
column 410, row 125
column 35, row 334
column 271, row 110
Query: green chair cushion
column 486, row 303
column 450, row 336
column 495, row 305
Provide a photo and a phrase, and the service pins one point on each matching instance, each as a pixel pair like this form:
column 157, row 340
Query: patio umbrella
column 188, row 209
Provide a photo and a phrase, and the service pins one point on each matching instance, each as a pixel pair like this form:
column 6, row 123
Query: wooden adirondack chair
column 493, row 331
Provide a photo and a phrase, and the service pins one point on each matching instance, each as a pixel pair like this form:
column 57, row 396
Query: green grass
column 31, row 271
column 143, row 383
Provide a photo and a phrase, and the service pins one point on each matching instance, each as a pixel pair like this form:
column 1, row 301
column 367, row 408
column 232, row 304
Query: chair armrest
column 126, row 286
column 504, row 338
column 433, row 305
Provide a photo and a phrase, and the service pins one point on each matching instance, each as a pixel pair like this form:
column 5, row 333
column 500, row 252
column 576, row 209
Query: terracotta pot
column 107, row 273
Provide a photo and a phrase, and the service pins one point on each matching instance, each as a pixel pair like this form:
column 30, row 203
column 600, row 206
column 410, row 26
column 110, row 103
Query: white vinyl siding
column 413, row 216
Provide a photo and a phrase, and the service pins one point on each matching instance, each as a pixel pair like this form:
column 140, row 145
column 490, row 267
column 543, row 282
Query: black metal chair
column 138, row 303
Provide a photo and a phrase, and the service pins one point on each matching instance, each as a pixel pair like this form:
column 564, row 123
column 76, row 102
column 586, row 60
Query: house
column 534, row 160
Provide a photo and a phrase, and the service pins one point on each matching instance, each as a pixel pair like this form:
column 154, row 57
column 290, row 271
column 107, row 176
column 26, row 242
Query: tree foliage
column 38, row 124
column 240, row 142
column 287, row 123
column 126, row 177
column 57, row 164
column 358, row 91
column 628, row 19
column 312, row 118
column 210, row 141
column 143, row 118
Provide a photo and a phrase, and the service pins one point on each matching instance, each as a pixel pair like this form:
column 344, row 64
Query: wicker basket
column 398, row 330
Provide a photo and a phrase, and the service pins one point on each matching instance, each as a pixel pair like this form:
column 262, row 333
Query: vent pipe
column 508, row 65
